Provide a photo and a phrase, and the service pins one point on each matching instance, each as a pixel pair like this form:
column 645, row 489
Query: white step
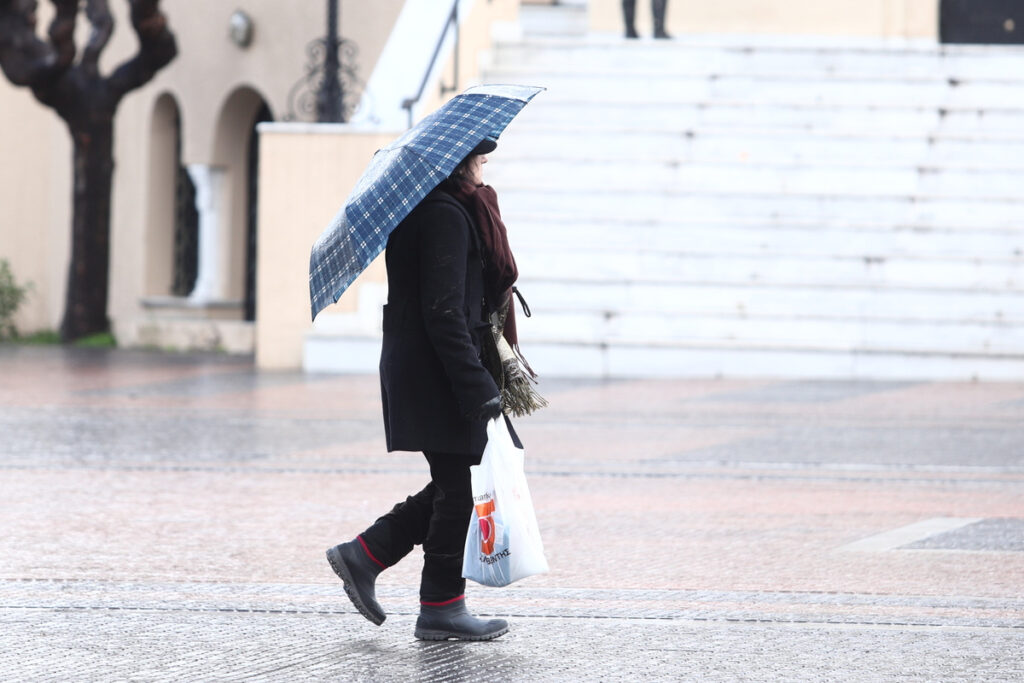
column 584, row 113
column 751, row 238
column 738, row 358
column 655, row 264
column 742, row 359
column 768, row 89
column 754, row 146
column 685, row 55
column 672, row 67
column 794, row 178
column 797, row 331
column 554, row 22
column 829, row 210
column 549, row 297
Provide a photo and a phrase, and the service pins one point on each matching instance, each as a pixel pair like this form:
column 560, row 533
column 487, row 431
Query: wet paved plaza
column 164, row 517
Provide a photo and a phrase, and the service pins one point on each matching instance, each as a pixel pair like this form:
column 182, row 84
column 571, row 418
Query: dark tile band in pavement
column 691, row 605
column 810, row 392
column 979, row 477
column 1001, row 535
column 875, row 445
column 99, row 437
column 228, row 382
column 85, row 435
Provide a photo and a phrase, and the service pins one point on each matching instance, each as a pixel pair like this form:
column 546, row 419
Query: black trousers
column 436, row 518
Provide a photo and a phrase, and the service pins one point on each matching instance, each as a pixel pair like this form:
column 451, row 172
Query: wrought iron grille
column 323, row 94
column 186, row 224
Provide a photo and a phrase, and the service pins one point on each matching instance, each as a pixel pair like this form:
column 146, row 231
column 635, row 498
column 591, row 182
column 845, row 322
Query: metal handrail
column 453, row 19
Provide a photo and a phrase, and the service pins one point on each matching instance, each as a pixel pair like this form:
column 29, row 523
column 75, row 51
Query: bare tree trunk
column 85, row 307
column 87, row 101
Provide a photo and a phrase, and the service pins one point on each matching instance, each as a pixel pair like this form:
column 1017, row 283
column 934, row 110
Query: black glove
column 487, row 411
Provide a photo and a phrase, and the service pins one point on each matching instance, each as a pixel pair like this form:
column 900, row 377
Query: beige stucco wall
column 878, row 18
column 35, row 180
column 35, row 203
column 306, row 174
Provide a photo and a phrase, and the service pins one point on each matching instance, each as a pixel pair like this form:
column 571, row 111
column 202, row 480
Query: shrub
column 102, row 340
column 40, row 338
column 11, row 297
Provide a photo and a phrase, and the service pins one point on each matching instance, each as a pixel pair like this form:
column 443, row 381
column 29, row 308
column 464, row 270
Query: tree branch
column 98, row 14
column 24, row 58
column 157, row 48
column 62, row 32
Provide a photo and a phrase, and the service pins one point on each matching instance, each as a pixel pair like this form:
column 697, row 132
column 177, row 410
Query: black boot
column 629, row 17
column 658, row 8
column 359, row 570
column 450, row 620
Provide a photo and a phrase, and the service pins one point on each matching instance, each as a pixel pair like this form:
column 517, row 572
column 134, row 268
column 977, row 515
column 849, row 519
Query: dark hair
column 485, row 147
column 460, row 170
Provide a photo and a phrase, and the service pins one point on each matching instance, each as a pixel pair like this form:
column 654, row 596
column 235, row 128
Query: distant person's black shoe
column 631, row 33
column 451, row 621
column 662, row 35
column 359, row 570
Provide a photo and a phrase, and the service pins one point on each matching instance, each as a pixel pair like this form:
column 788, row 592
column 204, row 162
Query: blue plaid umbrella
column 399, row 176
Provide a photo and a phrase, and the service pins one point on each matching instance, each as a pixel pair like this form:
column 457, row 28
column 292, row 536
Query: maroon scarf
column 500, row 272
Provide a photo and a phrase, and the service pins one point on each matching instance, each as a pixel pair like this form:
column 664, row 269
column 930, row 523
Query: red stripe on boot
column 369, row 554
column 442, row 604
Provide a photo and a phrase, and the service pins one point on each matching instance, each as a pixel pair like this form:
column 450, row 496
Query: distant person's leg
column 658, row 8
column 629, row 17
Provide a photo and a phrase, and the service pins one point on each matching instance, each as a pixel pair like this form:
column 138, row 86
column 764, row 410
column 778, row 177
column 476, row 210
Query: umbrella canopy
column 399, row 176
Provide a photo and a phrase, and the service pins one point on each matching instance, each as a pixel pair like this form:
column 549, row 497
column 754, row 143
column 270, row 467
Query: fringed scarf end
column 518, row 397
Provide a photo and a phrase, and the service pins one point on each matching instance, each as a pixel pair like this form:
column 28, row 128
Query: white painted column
column 210, row 279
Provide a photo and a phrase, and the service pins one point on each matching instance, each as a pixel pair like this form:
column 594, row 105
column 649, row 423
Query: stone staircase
column 765, row 206
column 754, row 207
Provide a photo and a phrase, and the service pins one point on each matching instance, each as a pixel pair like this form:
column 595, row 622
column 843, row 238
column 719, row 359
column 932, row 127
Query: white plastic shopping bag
column 503, row 543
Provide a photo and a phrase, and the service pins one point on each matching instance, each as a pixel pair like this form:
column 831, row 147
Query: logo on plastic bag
column 485, row 515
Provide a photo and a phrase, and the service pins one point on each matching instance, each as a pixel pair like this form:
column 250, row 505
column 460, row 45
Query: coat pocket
column 392, row 318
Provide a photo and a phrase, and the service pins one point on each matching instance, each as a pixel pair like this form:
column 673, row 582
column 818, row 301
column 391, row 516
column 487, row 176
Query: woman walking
column 449, row 269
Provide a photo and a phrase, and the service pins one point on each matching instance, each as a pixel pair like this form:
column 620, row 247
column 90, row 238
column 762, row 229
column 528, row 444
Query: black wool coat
column 434, row 324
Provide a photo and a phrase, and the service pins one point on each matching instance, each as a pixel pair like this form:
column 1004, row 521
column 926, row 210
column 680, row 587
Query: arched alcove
column 252, row 219
column 235, row 155
column 172, row 224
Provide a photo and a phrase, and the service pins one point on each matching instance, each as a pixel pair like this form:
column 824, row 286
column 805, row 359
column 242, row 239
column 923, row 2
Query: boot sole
column 432, row 634
column 337, row 563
